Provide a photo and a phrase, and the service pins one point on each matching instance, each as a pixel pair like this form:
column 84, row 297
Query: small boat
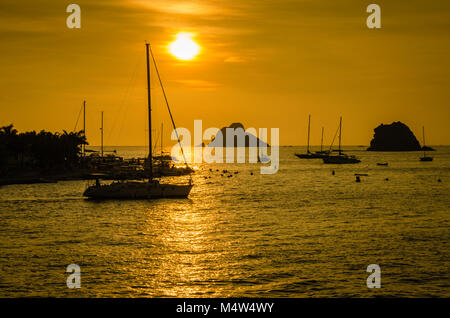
column 425, row 157
column 322, row 153
column 313, row 155
column 382, row 164
column 341, row 158
column 151, row 189
column 163, row 157
column 167, row 168
column 164, row 165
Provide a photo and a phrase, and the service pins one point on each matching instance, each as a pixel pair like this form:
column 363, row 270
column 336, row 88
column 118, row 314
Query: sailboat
column 151, row 188
column 162, row 156
column 341, row 158
column 322, row 152
column 164, row 165
column 313, row 155
column 425, row 157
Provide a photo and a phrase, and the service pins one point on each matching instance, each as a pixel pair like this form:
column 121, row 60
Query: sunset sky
column 264, row 63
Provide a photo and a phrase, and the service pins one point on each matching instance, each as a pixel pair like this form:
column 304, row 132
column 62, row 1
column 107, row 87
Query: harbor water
column 302, row 232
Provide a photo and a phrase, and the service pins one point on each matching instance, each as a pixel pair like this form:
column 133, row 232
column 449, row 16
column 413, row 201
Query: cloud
column 181, row 7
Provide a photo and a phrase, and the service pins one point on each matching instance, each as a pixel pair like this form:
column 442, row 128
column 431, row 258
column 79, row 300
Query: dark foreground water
column 299, row 233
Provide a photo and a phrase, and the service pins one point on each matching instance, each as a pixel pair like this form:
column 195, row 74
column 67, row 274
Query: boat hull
column 426, row 159
column 312, row 155
column 171, row 171
column 137, row 190
column 340, row 160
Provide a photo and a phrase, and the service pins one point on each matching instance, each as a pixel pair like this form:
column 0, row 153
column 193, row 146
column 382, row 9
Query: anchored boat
column 341, row 158
column 313, row 155
column 425, row 157
column 150, row 189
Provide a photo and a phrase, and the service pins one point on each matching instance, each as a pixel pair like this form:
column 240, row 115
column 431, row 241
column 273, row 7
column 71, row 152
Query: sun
column 184, row 48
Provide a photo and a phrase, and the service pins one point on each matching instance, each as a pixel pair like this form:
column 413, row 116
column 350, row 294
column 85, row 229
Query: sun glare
column 184, row 48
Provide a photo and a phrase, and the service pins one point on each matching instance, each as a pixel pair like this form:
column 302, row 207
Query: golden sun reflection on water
column 187, row 248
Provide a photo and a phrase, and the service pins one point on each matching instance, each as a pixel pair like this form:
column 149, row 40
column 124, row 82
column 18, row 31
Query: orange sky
column 263, row 63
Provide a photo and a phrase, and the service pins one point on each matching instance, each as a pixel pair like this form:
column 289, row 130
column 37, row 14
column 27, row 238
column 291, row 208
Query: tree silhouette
column 41, row 150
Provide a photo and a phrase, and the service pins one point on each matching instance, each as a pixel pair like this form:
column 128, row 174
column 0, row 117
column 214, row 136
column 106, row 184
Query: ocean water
column 299, row 233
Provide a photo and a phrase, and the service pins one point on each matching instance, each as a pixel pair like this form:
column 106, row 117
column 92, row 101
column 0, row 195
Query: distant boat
column 425, row 157
column 151, row 189
column 167, row 168
column 341, row 158
column 164, row 164
column 162, row 156
column 382, row 164
column 322, row 152
column 313, row 155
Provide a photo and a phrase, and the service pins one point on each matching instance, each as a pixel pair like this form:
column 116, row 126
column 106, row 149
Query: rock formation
column 238, row 129
column 394, row 137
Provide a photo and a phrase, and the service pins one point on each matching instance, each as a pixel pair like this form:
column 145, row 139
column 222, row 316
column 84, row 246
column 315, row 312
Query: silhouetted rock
column 394, row 137
column 238, row 129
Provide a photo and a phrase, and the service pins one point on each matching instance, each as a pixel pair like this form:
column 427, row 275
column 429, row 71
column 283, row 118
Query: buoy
column 251, row 173
column 387, row 179
column 333, row 173
column 358, row 179
column 439, row 180
column 236, row 172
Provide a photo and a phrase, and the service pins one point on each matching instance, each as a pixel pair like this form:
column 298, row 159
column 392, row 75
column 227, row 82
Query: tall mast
column 101, row 130
column 423, row 135
column 167, row 104
column 340, row 133
column 321, row 141
column 84, row 127
column 150, row 159
column 309, row 122
column 162, row 140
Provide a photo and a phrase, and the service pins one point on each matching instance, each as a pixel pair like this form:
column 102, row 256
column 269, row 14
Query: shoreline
column 51, row 178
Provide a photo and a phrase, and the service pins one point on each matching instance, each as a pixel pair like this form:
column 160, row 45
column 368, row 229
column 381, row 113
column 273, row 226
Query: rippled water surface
column 299, row 233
